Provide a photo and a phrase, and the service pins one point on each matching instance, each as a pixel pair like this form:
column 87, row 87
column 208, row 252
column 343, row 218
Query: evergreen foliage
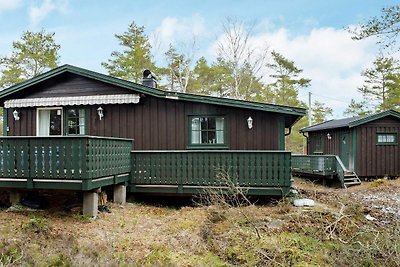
column 134, row 59
column 34, row 54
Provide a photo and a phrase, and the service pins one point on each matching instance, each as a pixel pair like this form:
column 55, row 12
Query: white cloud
column 38, row 13
column 177, row 31
column 328, row 56
column 9, row 4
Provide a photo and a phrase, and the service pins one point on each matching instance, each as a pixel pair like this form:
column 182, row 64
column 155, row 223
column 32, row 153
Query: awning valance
column 72, row 101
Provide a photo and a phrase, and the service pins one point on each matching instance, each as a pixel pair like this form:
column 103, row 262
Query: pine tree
column 320, row 112
column 136, row 56
column 34, row 54
column 287, row 82
column 381, row 82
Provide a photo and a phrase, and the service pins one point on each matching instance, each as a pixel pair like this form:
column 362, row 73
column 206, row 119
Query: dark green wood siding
column 377, row 160
column 162, row 124
column 367, row 158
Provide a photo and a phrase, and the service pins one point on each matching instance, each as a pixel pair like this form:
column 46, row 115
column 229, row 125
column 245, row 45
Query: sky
column 309, row 32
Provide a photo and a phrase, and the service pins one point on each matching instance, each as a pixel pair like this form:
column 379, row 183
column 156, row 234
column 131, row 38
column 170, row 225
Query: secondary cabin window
column 318, row 144
column 207, row 130
column 75, row 121
column 386, row 138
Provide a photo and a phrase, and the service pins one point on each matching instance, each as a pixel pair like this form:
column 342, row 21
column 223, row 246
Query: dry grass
column 333, row 233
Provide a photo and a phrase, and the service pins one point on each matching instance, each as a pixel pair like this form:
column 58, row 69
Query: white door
column 49, row 121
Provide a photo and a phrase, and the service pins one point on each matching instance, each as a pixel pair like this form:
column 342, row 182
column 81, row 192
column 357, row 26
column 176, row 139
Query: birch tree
column 241, row 57
column 179, row 71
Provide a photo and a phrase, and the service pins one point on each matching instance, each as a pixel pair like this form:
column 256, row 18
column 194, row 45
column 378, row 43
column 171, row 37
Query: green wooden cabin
column 367, row 145
column 71, row 128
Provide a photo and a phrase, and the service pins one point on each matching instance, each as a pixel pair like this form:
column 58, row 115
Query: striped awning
column 72, row 101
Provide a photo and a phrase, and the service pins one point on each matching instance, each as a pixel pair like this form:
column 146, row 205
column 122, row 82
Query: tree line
column 237, row 72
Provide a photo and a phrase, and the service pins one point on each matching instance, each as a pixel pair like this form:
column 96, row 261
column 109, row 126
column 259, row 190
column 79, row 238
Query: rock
column 304, row 202
column 369, row 217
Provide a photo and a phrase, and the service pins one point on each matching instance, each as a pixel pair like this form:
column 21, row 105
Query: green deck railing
column 260, row 172
column 319, row 165
column 324, row 166
column 63, row 162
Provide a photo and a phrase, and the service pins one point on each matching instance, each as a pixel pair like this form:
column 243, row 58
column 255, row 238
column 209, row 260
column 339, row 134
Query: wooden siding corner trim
column 5, row 121
column 354, row 149
column 281, row 132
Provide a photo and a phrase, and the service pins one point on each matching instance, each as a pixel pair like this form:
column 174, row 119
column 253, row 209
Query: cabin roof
column 293, row 113
column 350, row 122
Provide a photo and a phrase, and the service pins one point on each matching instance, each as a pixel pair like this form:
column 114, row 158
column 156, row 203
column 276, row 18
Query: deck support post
column 90, row 203
column 120, row 193
column 15, row 198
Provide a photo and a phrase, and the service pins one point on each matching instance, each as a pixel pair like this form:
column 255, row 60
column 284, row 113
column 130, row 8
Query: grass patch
column 333, row 233
column 37, row 225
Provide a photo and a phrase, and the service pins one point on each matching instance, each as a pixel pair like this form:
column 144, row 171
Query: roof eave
column 374, row 117
column 153, row 91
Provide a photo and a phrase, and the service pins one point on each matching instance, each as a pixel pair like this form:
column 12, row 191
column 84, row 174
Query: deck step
column 350, row 178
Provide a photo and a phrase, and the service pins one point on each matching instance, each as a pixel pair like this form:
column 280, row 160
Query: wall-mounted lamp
column 249, row 122
column 100, row 112
column 328, row 135
column 16, row 115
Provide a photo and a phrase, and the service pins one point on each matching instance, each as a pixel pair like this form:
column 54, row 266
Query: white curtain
column 44, row 123
column 81, row 121
column 219, row 125
column 196, row 133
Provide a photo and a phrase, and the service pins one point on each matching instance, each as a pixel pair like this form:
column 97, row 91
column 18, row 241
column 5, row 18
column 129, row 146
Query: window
column 319, row 143
column 75, row 119
column 386, row 138
column 49, row 121
column 207, row 131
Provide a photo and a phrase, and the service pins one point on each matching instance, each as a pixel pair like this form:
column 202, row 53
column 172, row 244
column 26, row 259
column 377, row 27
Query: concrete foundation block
column 120, row 194
column 90, row 204
column 15, row 197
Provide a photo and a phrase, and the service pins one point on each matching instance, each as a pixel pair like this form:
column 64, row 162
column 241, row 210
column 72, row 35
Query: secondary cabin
column 367, row 145
column 71, row 128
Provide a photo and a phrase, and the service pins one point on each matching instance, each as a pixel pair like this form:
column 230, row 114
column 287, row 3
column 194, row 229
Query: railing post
column 29, row 179
column 180, row 181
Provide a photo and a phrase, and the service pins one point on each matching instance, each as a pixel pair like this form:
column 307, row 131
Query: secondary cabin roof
column 350, row 122
column 293, row 114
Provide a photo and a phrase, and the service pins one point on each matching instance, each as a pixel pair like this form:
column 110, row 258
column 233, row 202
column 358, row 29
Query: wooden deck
column 325, row 167
column 64, row 162
column 86, row 163
column 190, row 171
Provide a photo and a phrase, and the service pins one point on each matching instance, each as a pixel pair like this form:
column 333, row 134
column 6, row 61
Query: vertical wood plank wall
column 162, row 124
column 377, row 160
column 332, row 146
column 371, row 160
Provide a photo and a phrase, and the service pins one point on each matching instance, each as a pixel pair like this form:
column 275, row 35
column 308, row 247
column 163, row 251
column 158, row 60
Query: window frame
column 319, row 144
column 85, row 121
column 38, row 119
column 224, row 145
column 396, row 140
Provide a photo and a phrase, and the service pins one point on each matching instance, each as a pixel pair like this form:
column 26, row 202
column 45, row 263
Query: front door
column 49, row 121
column 344, row 149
